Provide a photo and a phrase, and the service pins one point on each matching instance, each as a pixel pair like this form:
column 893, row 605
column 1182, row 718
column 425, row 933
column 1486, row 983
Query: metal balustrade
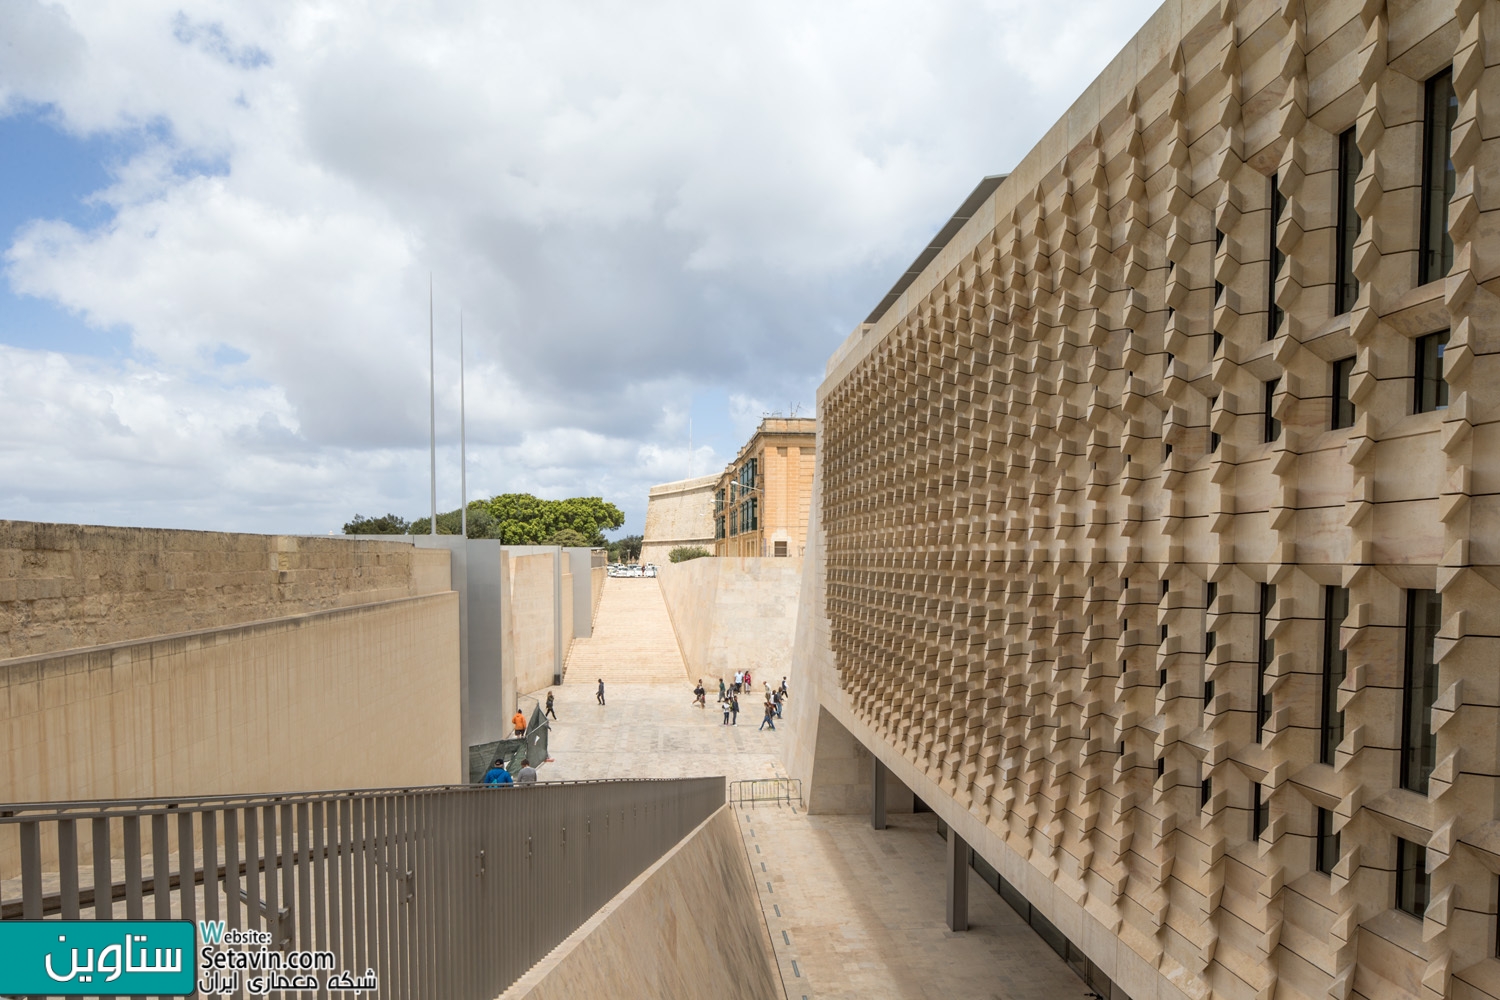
column 781, row 791
column 444, row 892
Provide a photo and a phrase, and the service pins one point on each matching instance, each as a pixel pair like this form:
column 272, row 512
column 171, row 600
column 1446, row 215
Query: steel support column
column 877, row 796
column 958, row 882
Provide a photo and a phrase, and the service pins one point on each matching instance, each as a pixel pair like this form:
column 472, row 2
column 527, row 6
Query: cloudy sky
column 217, row 223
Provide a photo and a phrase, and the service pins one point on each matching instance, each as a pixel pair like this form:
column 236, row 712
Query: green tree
column 568, row 538
column 685, row 552
column 626, row 550
column 523, row 519
column 386, row 524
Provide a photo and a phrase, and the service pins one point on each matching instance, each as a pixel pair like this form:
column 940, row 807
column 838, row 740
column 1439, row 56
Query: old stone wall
column 1111, row 579
column 680, row 513
column 69, row 586
column 733, row 614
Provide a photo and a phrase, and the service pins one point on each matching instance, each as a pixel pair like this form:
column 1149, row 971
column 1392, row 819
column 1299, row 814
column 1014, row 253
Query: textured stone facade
column 677, row 514
column 1103, row 574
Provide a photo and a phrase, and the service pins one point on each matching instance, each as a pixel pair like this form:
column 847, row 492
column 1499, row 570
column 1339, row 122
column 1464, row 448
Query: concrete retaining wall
column 355, row 697
column 734, row 613
column 689, row 926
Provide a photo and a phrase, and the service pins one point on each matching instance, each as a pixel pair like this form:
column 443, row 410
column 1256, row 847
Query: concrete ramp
column 689, row 926
column 633, row 641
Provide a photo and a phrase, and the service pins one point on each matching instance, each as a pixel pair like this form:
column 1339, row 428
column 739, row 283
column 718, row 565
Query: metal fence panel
column 445, row 892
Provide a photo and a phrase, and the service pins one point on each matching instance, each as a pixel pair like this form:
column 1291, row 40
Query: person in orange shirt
column 519, row 722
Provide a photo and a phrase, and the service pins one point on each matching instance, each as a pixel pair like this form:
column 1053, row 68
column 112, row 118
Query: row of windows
column 744, row 517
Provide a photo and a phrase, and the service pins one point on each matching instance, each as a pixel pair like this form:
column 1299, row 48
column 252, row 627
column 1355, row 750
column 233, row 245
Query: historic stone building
column 762, row 498
column 1157, row 537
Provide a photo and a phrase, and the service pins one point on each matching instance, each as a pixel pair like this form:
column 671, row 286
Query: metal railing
column 781, row 791
column 445, row 892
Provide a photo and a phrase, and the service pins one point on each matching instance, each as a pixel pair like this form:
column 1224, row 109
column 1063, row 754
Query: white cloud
column 632, row 201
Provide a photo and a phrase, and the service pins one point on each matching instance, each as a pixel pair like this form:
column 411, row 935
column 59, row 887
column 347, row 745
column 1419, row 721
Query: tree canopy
column 513, row 518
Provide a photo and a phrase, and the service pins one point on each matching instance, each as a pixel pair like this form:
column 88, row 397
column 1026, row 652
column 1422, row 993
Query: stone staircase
column 633, row 641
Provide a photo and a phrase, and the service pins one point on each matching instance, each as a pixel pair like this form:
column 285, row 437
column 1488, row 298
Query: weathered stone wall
column 529, row 621
column 733, row 614
column 1076, row 582
column 689, row 926
column 680, row 513
column 69, row 586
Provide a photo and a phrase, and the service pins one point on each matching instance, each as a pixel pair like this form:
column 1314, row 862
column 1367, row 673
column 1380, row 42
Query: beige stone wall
column 733, row 614
column 783, row 448
column 528, row 620
column 69, row 586
column 1017, row 609
column 347, row 698
column 689, row 926
column 680, row 513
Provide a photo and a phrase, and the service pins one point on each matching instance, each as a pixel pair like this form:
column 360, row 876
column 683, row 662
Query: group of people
column 498, row 775
column 729, row 698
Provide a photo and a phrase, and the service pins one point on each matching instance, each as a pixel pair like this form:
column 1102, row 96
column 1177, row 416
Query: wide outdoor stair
column 633, row 641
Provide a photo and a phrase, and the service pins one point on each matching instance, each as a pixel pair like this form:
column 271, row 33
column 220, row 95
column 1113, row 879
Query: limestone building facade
column 678, row 514
column 1157, row 542
column 762, row 498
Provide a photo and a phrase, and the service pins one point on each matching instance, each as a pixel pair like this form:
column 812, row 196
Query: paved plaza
column 852, row 911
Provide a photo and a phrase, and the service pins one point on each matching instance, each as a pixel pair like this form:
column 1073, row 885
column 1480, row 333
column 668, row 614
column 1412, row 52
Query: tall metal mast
column 432, row 401
column 463, row 445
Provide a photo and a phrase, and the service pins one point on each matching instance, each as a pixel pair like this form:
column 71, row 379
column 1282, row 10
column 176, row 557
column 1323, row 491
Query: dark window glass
column 1273, row 426
column 1273, row 311
column 1328, row 842
column 1161, row 766
column 1335, row 663
column 1213, row 441
column 1210, row 594
column 1218, row 342
column 1166, row 450
column 1343, row 406
column 1345, row 285
column 1218, row 285
column 1161, row 677
column 1267, row 652
column 1431, row 389
column 1412, row 885
column 1208, row 691
column 1205, row 792
column 1424, row 612
column 1260, row 812
column 1436, row 258
column 1210, row 642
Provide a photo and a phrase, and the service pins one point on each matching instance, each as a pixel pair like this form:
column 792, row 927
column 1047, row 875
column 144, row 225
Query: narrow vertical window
column 1218, row 245
column 1260, row 811
column 1335, row 665
column 1161, row 767
column 1205, row 791
column 1343, row 406
column 1412, row 882
column 1424, row 612
column 1277, row 258
column 1267, row 652
column 1431, row 388
column 1272, row 427
column 1438, row 178
column 1327, row 849
column 1345, row 285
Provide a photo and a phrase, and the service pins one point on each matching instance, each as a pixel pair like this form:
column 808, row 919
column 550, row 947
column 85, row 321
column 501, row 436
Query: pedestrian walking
column 518, row 722
column 497, row 774
column 784, row 691
column 527, row 774
column 738, row 677
column 725, row 703
column 721, row 689
column 770, row 719
column 700, row 696
column 550, row 713
column 600, row 695
column 734, row 710
column 748, row 681
column 777, row 699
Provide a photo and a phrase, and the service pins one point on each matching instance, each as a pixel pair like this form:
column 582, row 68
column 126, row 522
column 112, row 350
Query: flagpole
column 432, row 401
column 463, row 454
